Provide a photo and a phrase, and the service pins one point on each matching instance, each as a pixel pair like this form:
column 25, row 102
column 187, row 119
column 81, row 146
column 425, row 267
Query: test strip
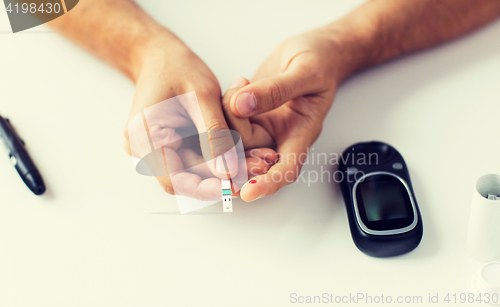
column 227, row 201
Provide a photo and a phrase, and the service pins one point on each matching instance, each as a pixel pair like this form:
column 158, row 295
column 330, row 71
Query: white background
column 103, row 235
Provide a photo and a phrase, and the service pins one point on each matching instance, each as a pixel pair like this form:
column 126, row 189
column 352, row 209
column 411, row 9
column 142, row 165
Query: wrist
column 355, row 48
column 152, row 49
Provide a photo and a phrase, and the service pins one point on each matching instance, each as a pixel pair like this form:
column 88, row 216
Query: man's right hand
column 168, row 69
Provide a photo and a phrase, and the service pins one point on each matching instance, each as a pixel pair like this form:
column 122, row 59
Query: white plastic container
column 483, row 238
column 487, row 282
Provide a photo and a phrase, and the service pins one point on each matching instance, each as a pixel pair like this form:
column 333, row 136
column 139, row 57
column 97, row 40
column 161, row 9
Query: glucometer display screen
column 383, row 203
column 384, row 200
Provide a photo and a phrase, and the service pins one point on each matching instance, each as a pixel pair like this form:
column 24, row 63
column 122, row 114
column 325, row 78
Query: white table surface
column 104, row 235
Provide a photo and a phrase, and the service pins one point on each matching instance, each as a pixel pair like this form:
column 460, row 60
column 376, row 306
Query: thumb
column 269, row 93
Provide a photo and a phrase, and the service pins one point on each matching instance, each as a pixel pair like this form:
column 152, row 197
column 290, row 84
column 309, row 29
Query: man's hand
column 162, row 67
column 284, row 106
column 169, row 70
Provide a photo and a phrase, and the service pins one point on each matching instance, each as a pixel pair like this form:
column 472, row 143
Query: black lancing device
column 20, row 158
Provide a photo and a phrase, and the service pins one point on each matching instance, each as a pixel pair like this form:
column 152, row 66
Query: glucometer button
column 352, row 170
column 397, row 165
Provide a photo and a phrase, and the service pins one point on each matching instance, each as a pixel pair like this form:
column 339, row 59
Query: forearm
column 117, row 31
column 381, row 30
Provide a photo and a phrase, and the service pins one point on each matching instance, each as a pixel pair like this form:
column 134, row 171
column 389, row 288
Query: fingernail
column 260, row 196
column 237, row 82
column 246, row 103
column 252, row 181
column 231, row 163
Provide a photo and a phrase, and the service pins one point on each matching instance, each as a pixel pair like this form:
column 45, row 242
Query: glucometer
column 383, row 213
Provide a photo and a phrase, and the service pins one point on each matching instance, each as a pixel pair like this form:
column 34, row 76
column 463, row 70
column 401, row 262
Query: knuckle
column 207, row 91
column 169, row 189
column 203, row 94
column 214, row 124
column 154, row 130
column 220, row 141
column 278, row 93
